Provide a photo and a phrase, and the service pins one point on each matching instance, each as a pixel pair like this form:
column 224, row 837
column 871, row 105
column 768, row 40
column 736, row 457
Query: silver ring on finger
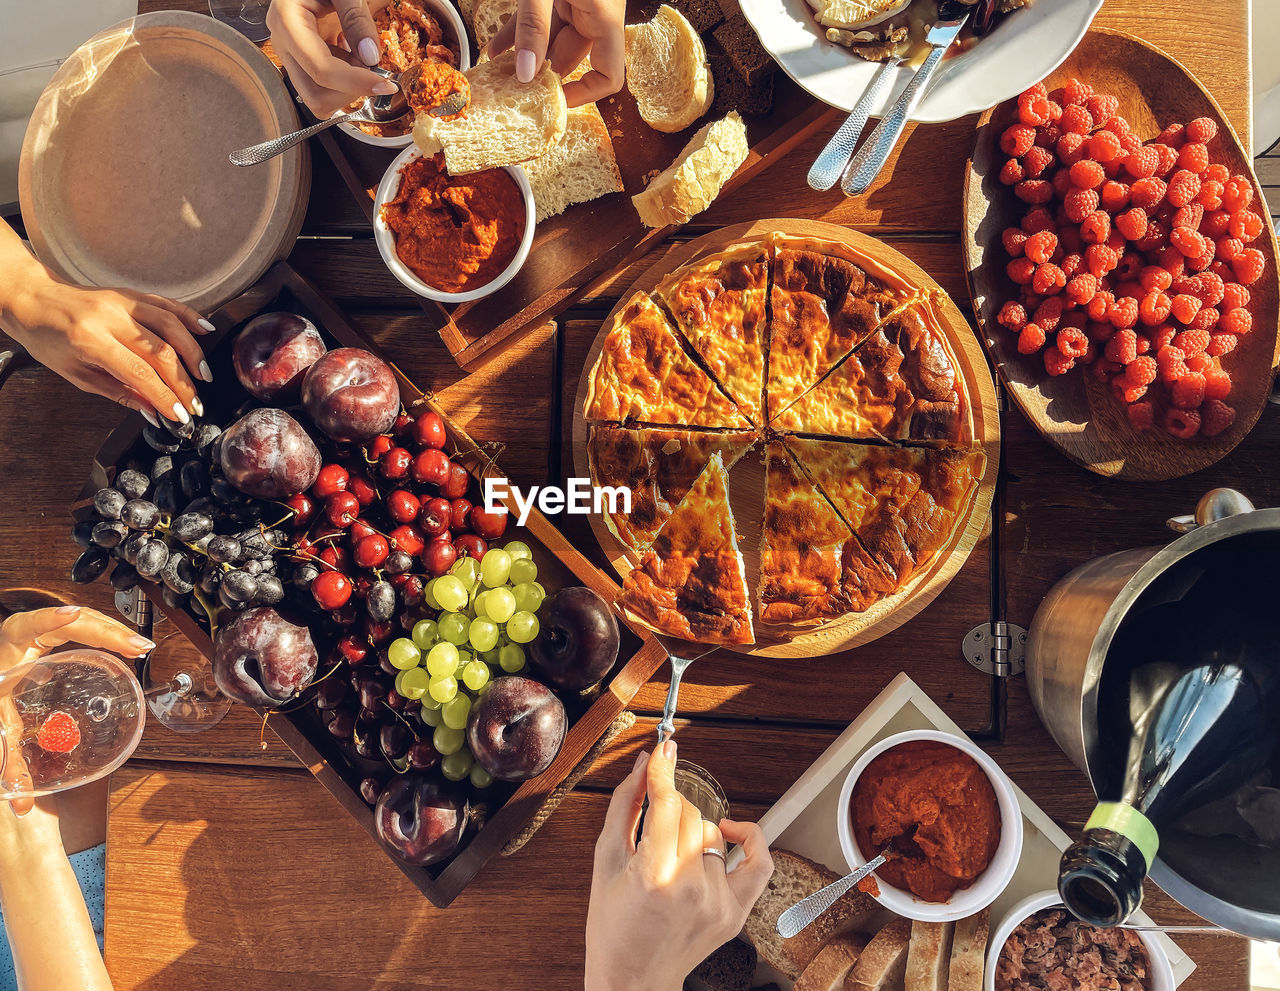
column 714, row 851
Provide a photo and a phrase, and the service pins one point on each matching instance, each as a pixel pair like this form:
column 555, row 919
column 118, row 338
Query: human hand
column 26, row 636
column 659, row 908
column 315, row 41
column 567, row 31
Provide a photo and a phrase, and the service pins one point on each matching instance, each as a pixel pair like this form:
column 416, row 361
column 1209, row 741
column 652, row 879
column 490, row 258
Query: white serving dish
column 801, row 820
column 1024, row 48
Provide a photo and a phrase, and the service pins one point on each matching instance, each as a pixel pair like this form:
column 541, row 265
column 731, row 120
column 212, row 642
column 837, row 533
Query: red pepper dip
column 455, row 233
column 435, row 83
column 942, row 792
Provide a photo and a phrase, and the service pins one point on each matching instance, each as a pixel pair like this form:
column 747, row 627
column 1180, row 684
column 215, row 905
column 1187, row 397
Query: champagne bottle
column 1205, row 719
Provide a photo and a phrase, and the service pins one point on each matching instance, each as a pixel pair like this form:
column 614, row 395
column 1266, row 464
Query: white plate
column 1025, row 47
column 802, row 819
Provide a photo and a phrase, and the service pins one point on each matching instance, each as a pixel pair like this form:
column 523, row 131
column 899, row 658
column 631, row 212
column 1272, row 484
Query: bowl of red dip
column 951, row 813
column 452, row 238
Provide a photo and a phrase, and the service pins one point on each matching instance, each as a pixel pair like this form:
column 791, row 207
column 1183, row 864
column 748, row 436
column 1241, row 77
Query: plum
column 578, row 642
column 260, row 658
column 516, row 729
column 266, row 453
column 273, row 354
column 420, row 819
column 351, row 395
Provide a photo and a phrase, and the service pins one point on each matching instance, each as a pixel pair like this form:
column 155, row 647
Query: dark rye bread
column 732, row 91
column 704, row 15
column 739, row 40
column 729, row 968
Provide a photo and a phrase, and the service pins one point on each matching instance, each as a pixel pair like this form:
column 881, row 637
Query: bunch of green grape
column 487, row 612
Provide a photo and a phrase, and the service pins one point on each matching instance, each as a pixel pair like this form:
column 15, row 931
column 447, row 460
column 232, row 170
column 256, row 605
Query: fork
column 680, row 656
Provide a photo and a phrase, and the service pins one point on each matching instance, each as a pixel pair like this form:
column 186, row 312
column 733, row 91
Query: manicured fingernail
column 206, row 372
column 641, row 757
column 526, row 65
column 180, row 414
column 368, row 49
column 343, row 43
column 206, row 325
column 197, row 407
column 150, row 418
column 669, row 750
column 141, row 644
column 384, row 87
column 67, row 610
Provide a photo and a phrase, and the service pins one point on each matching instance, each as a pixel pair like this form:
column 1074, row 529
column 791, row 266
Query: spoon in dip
column 267, row 150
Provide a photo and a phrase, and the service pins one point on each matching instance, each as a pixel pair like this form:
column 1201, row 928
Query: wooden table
column 229, row 866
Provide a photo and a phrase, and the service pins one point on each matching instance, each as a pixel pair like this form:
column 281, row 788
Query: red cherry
column 459, row 513
column 470, row 545
column 331, row 589
column 341, row 508
column 358, row 530
column 409, row 587
column 363, row 490
column 378, row 632
column 331, row 480
column 408, row 539
column 362, row 583
column 395, row 463
column 403, row 422
column 402, row 506
column 428, row 430
column 435, row 516
column 303, row 546
column 377, row 447
column 439, row 555
column 304, row 510
column 430, row 467
column 346, row 616
column 371, row 551
column 456, row 485
column 491, row 526
column 336, row 557
column 353, row 649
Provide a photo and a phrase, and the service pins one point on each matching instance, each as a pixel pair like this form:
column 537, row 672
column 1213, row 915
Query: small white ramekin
column 1161, row 970
column 989, row 884
column 386, row 239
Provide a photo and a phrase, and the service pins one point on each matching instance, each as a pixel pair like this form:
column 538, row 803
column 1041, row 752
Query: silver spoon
column 267, row 150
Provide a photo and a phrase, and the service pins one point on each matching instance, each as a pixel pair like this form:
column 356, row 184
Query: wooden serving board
column 747, row 477
column 1076, row 414
column 589, row 240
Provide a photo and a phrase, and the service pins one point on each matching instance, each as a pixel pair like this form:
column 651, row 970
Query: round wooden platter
column 747, row 477
column 1077, row 414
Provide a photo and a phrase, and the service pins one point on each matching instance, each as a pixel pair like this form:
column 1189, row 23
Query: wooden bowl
column 747, row 477
column 1078, row 415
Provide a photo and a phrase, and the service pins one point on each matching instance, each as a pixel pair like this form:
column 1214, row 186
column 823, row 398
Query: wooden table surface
column 228, row 866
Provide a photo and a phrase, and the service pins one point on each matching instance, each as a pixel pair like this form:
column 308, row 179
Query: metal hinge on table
column 1002, row 398
column 996, row 648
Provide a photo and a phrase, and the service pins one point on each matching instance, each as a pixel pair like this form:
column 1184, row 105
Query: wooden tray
column 1076, row 414
column 335, row 767
column 804, row 819
column 746, row 478
column 589, row 240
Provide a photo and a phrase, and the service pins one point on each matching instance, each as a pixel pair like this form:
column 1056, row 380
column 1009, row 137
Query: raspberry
column 1061, row 182
column 1181, row 423
column 1237, row 321
column 1123, row 347
column 1245, row 225
column 1155, row 277
column 1228, row 248
column 1171, row 364
column 1017, row 140
column 1021, row 270
column 59, row 733
column 1142, row 163
column 1248, row 268
column 1048, row 314
column 1215, row 417
column 1234, row 296
column 1072, row 342
column 1220, row 344
column 1166, row 159
column 1132, row 224
column 1237, row 194
column 1215, row 224
column 1015, row 242
column 1202, row 130
column 1206, row 319
column 1194, row 157
column 1040, row 247
column 1072, row 265
column 1097, row 307
column 1183, row 188
column 1187, row 241
column 1087, row 174
column 1129, row 141
column 1036, row 160
column 1047, row 136
column 1070, row 149
column 1057, row 363
column 1200, row 362
column 1191, row 342
column 1078, row 204
column 1190, row 215
column 1141, row 371
column 1012, row 172
column 1185, row 307
column 1128, row 269
column 1038, row 220
column 1173, row 136
column 1104, row 147
column 1210, row 195
column 1218, row 173
column 1223, row 271
column 1162, row 335
column 1217, row 383
column 1012, row 316
column 1202, row 261
column 1033, row 108
column 1102, row 106
column 1074, row 93
column 1030, row 339
column 1154, row 308
column 1082, row 288
column 1171, row 260
column 1211, row 288
column 1100, row 333
column 1141, row 416
column 1128, row 393
column 1033, row 191
column 1094, row 230
column 1100, row 258
column 1147, row 193
column 1155, row 238
column 1188, row 391
column 1076, row 120
column 1048, row 280
column 1114, row 196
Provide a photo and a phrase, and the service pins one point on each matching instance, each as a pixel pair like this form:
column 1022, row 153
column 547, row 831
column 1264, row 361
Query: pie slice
column 719, row 305
column 801, row 547
column 659, row 468
column 692, row 582
column 644, row 375
column 903, row 503
column 901, row 384
column 824, row 305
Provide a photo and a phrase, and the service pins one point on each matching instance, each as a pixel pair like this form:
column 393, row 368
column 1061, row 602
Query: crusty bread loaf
column 929, row 956
column 467, row 8
column 969, row 952
column 828, row 970
column 667, row 71
column 795, row 877
column 579, row 167
column 694, row 180
column 883, row 964
column 508, row 121
column 488, row 17
column 729, row 968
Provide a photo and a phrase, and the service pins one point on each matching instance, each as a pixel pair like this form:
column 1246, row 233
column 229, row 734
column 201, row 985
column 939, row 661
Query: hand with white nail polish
column 326, row 46
column 566, row 32
column 137, row 349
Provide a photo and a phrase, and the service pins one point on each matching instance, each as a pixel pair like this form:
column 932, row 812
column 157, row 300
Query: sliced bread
column 882, row 966
column 828, row 970
column 795, row 877
column 508, row 121
column 579, row 167
column 667, row 71
column 929, row 956
column 969, row 952
column 729, row 968
column 694, row 180
column 488, row 16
